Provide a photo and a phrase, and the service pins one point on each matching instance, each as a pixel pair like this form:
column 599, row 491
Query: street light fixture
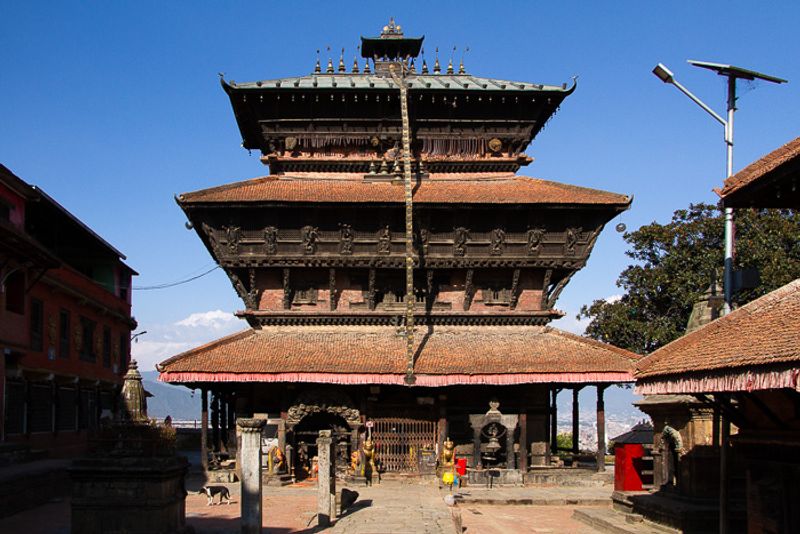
column 732, row 73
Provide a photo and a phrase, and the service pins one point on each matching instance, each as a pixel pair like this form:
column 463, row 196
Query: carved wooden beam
column 287, row 290
column 372, row 290
column 332, row 287
column 548, row 274
column 469, row 289
column 559, row 287
column 515, row 288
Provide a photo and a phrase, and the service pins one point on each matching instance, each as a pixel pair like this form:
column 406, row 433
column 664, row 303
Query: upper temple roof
column 435, row 82
column 353, row 110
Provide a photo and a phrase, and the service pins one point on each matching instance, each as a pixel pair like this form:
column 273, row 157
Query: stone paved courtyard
column 391, row 507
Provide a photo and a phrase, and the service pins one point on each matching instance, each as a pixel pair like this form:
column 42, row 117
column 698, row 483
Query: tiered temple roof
column 445, row 356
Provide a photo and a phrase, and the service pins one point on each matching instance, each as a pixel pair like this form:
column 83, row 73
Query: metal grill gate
column 399, row 440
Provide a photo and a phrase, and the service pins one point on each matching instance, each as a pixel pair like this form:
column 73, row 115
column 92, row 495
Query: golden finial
column 341, row 62
column 450, row 63
column 317, row 68
column 355, row 65
column 413, row 68
column 329, row 68
column 461, row 69
column 424, row 67
column 367, row 70
column 437, row 68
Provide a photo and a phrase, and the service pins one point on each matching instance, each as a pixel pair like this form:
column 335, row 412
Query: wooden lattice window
column 493, row 296
column 307, row 295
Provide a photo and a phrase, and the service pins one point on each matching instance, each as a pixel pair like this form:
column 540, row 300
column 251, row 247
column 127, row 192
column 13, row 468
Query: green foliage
column 676, row 263
column 564, row 440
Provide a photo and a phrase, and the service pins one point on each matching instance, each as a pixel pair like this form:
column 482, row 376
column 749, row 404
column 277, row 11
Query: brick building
column 65, row 321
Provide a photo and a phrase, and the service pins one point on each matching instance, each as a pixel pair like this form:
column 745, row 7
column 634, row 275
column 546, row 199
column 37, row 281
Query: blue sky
column 113, row 107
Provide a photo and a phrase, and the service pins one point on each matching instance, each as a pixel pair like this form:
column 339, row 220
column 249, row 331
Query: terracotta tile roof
column 508, row 190
column 760, row 168
column 762, row 333
column 377, row 350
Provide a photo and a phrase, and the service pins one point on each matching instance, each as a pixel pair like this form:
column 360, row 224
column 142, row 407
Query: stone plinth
column 495, row 477
column 250, row 430
column 130, row 495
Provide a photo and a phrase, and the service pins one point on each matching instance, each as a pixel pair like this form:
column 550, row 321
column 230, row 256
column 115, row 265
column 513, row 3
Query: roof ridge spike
column 341, row 62
column 317, row 67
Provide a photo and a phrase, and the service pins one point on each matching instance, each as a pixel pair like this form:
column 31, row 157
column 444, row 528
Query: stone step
column 613, row 522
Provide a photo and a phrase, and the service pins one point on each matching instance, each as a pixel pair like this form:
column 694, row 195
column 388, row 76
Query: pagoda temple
column 397, row 274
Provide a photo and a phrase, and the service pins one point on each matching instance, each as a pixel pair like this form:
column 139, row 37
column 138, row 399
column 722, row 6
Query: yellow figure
column 448, row 452
column 369, row 461
column 354, row 461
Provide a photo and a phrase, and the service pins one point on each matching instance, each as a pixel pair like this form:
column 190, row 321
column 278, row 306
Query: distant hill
column 177, row 401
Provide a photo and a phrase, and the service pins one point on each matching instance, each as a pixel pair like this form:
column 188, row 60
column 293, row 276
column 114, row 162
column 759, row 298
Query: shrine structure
column 397, row 274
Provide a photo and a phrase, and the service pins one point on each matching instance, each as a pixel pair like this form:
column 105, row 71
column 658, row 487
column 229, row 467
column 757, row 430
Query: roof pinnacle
column 341, row 62
column 424, row 67
column 329, row 68
column 367, row 70
column 317, row 68
column 437, row 68
column 355, row 65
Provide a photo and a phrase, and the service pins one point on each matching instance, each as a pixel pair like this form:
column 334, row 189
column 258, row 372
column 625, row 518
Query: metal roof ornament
column 367, row 70
column 437, row 68
column 341, row 62
column 391, row 30
column 413, row 68
column 317, row 67
column 450, row 63
column 329, row 68
column 461, row 69
column 355, row 65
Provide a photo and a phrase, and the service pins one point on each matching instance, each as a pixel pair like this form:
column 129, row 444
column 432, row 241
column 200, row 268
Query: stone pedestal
column 326, row 479
column 131, row 495
column 250, row 454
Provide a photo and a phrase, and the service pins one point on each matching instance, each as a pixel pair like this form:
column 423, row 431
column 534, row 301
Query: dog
column 212, row 491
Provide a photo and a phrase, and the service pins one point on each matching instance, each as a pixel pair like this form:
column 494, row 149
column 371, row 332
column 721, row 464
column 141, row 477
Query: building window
column 15, row 292
column 123, row 352
column 496, row 297
column 87, row 415
column 15, row 407
column 37, row 325
column 306, row 295
column 5, row 211
column 65, row 412
column 106, row 346
column 41, row 408
column 87, row 339
column 63, row 334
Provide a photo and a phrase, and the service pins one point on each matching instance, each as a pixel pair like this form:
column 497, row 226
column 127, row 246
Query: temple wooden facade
column 318, row 249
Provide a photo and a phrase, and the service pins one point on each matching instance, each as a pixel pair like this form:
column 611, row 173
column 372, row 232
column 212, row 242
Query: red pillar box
column 629, row 453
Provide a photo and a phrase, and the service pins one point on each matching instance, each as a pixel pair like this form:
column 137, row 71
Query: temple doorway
column 305, row 436
column 402, row 443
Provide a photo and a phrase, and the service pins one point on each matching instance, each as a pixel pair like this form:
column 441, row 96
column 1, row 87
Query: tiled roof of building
column 760, row 335
column 760, row 168
column 506, row 190
column 376, row 354
column 448, row 82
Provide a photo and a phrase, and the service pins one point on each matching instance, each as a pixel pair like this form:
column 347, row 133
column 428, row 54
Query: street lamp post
column 732, row 73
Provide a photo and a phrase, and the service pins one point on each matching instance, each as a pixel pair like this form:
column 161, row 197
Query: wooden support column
column 215, row 420
column 554, row 422
column 575, row 420
column 204, row 428
column 725, row 434
column 282, row 431
column 476, row 448
column 523, row 440
column 442, row 425
column 223, row 422
column 601, row 428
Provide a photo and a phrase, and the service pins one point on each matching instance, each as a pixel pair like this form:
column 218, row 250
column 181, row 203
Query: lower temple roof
column 445, row 355
column 509, row 189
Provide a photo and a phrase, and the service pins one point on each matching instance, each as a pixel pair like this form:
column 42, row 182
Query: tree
column 677, row 262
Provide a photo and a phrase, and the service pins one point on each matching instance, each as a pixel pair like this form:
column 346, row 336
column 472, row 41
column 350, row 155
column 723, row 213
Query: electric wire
column 177, row 283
